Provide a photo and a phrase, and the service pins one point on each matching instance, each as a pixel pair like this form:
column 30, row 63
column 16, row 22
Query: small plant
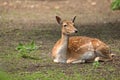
column 96, row 64
column 24, row 50
column 115, row 5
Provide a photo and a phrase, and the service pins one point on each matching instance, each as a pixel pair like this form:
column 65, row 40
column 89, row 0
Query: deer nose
column 76, row 31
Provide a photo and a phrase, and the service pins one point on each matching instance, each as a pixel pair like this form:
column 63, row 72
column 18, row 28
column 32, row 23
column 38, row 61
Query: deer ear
column 74, row 19
column 58, row 19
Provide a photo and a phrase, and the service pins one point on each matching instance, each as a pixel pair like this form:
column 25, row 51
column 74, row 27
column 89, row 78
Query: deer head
column 68, row 27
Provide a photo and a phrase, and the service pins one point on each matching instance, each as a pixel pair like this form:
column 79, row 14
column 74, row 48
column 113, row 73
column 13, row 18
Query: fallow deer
column 78, row 49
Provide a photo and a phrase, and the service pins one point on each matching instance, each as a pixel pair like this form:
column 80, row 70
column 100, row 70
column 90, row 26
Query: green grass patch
column 4, row 76
column 96, row 64
column 25, row 50
column 115, row 5
column 59, row 74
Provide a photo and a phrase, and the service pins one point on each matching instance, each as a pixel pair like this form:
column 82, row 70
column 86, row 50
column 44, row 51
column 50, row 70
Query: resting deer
column 78, row 49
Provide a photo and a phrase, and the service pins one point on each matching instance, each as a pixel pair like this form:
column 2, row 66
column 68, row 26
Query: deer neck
column 62, row 50
column 64, row 41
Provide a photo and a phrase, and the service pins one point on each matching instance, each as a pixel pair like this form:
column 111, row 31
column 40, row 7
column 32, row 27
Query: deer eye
column 65, row 25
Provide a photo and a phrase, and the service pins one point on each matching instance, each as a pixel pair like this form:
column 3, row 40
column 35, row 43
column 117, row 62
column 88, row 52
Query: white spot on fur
column 88, row 45
column 97, row 44
column 75, row 41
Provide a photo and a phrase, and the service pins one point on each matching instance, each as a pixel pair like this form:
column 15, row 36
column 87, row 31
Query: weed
column 96, row 64
column 115, row 5
column 24, row 50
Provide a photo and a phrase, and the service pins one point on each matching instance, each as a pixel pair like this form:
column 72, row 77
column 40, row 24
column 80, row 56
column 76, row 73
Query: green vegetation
column 25, row 50
column 115, row 5
column 89, row 72
column 96, row 64
column 4, row 76
column 49, row 75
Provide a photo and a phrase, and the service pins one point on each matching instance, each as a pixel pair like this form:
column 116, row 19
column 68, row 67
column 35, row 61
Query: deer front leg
column 78, row 61
column 71, row 60
column 75, row 61
column 59, row 59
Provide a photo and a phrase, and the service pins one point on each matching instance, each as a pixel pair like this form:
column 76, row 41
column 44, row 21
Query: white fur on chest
column 62, row 50
column 61, row 53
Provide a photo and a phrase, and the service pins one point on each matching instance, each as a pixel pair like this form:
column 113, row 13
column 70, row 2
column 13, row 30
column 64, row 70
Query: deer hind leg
column 103, row 53
column 102, row 59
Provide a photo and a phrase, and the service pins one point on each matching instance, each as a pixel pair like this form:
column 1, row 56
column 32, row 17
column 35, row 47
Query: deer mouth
column 70, row 33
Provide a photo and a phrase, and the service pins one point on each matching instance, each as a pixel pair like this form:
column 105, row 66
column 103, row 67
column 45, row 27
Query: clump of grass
column 115, row 5
column 25, row 49
column 96, row 64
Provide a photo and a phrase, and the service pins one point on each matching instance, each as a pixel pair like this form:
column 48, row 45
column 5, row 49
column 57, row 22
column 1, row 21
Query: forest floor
column 23, row 21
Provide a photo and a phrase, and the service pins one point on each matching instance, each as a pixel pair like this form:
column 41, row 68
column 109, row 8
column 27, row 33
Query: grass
column 115, row 5
column 25, row 50
column 96, row 64
column 90, row 74
column 4, row 76
column 48, row 75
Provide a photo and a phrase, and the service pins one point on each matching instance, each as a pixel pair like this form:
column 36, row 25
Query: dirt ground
column 27, row 20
